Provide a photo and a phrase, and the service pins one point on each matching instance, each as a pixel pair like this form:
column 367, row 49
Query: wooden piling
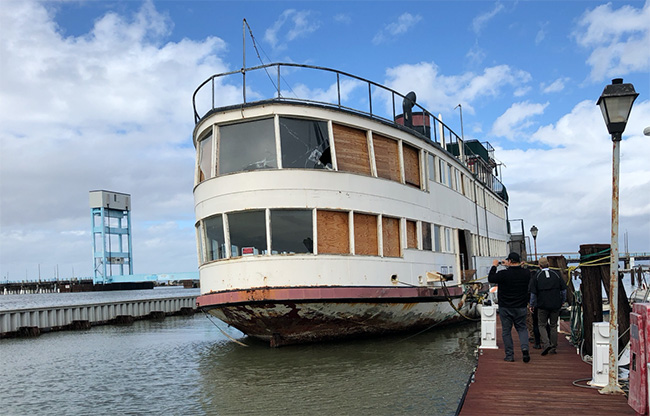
column 592, row 290
column 593, row 276
column 559, row 263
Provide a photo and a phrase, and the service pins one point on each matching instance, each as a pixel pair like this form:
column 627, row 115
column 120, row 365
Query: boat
column 329, row 206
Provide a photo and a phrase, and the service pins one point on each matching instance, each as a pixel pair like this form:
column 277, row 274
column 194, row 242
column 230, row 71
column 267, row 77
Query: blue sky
column 97, row 95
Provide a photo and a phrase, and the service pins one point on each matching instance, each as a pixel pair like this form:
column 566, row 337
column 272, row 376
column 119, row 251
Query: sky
column 98, row 95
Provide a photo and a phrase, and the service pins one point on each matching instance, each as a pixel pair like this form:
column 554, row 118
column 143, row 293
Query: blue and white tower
column 111, row 228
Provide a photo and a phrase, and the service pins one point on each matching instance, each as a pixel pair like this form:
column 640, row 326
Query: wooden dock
column 544, row 386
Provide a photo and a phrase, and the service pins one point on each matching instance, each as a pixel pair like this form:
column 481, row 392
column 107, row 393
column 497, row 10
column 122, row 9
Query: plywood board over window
column 390, row 235
column 365, row 235
column 411, row 165
column 386, row 157
column 351, row 149
column 411, row 234
column 333, row 232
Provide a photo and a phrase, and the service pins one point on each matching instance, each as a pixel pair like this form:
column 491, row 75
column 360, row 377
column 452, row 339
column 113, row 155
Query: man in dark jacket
column 547, row 294
column 513, row 301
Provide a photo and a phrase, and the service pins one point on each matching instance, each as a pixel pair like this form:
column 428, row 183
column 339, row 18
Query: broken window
column 305, row 144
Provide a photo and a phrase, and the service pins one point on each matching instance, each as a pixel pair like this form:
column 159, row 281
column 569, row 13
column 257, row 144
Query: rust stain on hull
column 292, row 323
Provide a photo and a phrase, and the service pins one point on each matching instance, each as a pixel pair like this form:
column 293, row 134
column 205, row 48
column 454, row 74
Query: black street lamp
column 615, row 103
column 533, row 232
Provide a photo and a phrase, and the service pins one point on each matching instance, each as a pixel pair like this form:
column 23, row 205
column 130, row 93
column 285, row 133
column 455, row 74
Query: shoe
column 546, row 351
column 553, row 351
column 537, row 347
column 509, row 359
column 526, row 356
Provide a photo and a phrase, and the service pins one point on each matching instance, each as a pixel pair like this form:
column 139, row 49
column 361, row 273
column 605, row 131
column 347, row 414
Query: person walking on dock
column 513, row 301
column 547, row 294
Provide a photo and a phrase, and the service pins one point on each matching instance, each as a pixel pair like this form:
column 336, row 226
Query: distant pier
column 34, row 321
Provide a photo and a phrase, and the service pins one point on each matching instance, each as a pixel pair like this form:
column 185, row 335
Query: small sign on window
column 248, row 251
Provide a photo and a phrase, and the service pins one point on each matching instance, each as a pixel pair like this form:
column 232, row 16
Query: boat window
column 247, row 146
column 365, row 234
column 436, row 238
column 390, row 235
column 199, row 238
column 205, row 156
column 351, row 149
column 426, row 236
column 432, row 167
column 291, row 231
column 443, row 171
column 448, row 175
column 247, row 233
column 333, row 232
column 305, row 144
column 449, row 248
column 411, row 234
column 411, row 165
column 386, row 157
column 214, row 238
column 459, row 182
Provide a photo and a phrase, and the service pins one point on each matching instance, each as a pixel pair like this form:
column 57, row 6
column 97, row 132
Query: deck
column 544, row 386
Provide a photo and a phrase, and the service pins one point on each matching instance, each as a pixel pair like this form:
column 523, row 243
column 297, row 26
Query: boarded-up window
column 333, row 232
column 386, row 157
column 411, row 234
column 365, row 235
column 351, row 149
column 390, row 233
column 411, row 165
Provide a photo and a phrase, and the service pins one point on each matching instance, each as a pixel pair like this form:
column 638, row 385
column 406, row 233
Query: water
column 185, row 366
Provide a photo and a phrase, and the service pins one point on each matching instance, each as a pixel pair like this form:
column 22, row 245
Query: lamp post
column 533, row 232
column 615, row 103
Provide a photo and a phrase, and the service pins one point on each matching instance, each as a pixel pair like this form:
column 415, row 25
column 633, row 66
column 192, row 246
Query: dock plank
column 544, row 386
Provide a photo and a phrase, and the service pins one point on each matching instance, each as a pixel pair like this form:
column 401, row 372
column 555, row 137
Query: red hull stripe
column 328, row 293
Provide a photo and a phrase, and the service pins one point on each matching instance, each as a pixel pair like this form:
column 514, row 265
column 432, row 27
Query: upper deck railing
column 329, row 88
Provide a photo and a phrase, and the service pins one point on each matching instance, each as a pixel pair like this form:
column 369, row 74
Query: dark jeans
column 550, row 317
column 516, row 317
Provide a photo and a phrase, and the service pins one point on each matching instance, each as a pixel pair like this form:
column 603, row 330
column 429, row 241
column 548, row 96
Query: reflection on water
column 422, row 375
column 185, row 366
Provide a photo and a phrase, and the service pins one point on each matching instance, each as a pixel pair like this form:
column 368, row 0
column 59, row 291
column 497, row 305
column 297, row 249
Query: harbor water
column 184, row 365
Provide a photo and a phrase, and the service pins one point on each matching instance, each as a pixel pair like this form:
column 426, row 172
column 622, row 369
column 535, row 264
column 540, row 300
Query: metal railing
column 218, row 92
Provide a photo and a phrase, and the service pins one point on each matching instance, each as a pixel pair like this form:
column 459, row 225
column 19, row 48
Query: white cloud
column 566, row 190
column 436, row 90
column 555, row 86
column 404, row 23
column 619, row 39
column 343, row 18
column 516, row 119
column 109, row 109
column 480, row 21
column 475, row 55
column 541, row 33
column 291, row 25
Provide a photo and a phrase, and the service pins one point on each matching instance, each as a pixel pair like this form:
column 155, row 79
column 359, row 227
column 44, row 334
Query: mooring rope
column 222, row 331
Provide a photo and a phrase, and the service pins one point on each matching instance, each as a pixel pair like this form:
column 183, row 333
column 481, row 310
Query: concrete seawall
column 31, row 322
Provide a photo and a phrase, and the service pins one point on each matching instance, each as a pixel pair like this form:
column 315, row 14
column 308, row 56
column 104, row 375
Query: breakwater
column 31, row 321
